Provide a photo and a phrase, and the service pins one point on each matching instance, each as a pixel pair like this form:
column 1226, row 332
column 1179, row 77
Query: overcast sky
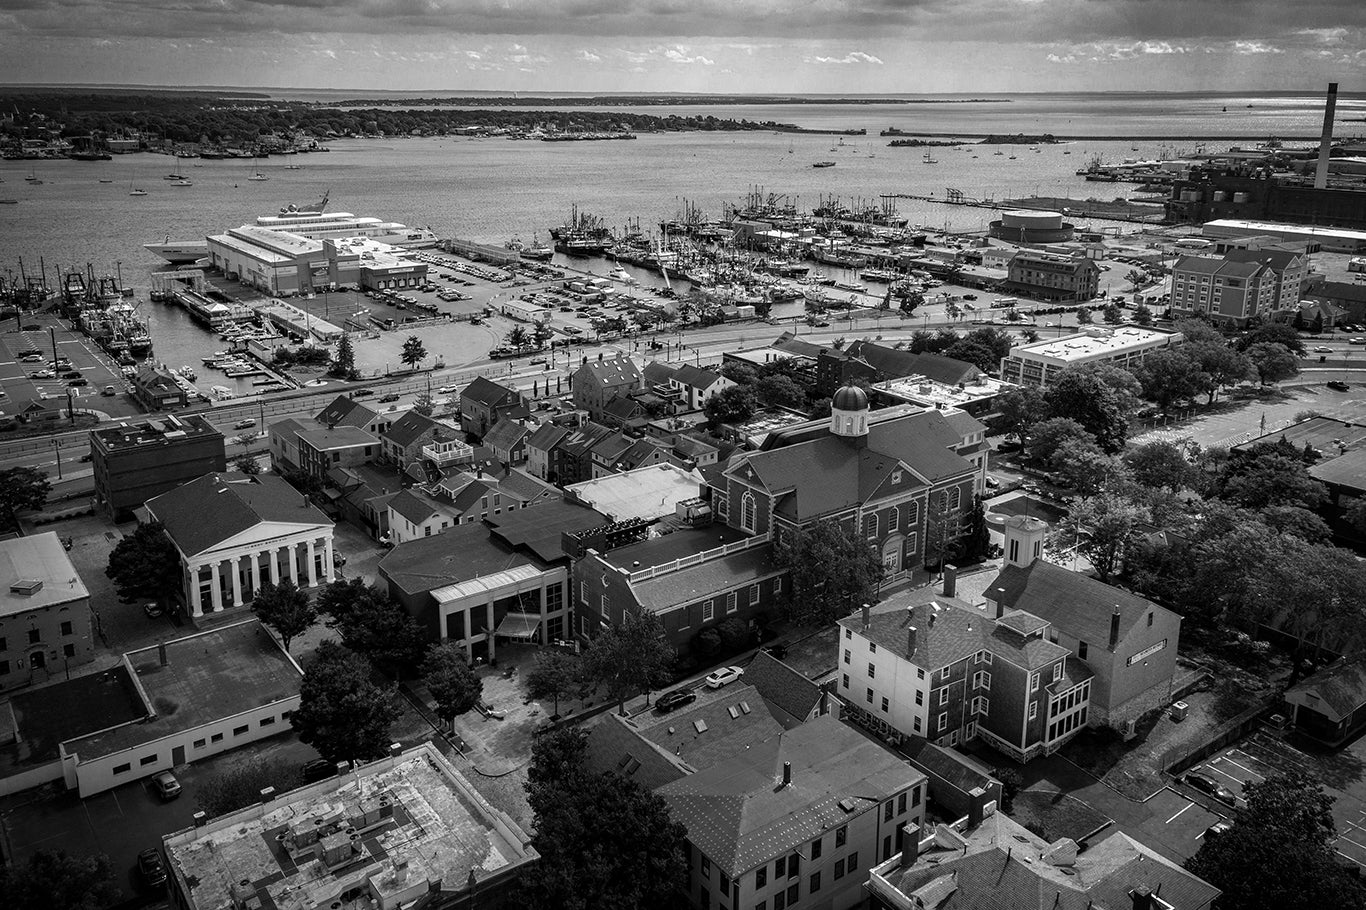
column 790, row 46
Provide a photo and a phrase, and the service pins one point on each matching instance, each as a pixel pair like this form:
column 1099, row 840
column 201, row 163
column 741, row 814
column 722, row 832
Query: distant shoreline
column 1061, row 137
column 642, row 100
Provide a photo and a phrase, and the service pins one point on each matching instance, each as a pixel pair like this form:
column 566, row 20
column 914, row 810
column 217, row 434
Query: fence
column 1179, row 758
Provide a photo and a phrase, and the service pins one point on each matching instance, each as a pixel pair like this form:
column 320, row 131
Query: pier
column 1135, row 213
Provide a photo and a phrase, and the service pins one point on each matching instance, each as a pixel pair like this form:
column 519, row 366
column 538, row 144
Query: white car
column 724, row 677
column 1323, row 350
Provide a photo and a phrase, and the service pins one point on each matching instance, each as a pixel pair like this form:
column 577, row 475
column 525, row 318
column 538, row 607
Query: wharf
column 1078, row 208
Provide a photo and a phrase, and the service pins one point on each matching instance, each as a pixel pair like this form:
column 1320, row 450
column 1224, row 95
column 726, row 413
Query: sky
column 720, row 46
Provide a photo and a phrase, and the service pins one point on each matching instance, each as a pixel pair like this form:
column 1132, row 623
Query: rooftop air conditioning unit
column 26, row 586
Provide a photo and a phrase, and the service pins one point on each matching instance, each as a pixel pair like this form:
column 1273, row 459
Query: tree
column 248, row 464
column 1083, row 315
column 53, row 878
column 1112, row 313
column 1278, row 854
column 1170, row 376
column 1100, row 398
column 922, row 341
column 383, row 631
column 1031, row 334
column 451, row 681
column 976, row 535
column 1136, row 277
column 1355, row 516
column 1272, row 333
column 21, row 489
column 344, row 361
column 557, row 674
column 1197, row 330
column 518, row 337
column 1020, row 409
column 414, row 352
column 1270, row 475
column 780, row 391
column 424, row 404
column 1048, row 436
column 631, row 657
column 606, row 842
column 541, row 333
column 1222, row 364
column 1081, row 465
column 1160, row 465
column 975, row 353
column 1273, row 362
column 1143, row 315
column 286, row 609
column 1102, row 528
column 145, row 565
column 342, row 713
column 1301, row 522
column 340, row 598
column 240, row 785
column 833, row 571
column 735, row 404
column 739, row 373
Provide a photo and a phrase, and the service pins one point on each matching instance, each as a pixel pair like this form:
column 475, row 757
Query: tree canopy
column 1273, row 362
column 1100, row 398
column 372, row 624
column 286, row 609
column 1272, row 333
column 145, row 565
column 451, row 680
column 632, row 656
column 1102, row 528
column 54, row 878
column 1161, row 465
column 833, row 570
column 734, row 404
column 414, row 351
column 342, row 712
column 1170, row 377
column 344, row 360
column 557, row 674
column 21, row 489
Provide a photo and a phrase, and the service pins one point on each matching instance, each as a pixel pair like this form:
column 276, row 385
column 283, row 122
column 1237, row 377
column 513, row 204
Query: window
column 893, row 518
column 778, row 589
column 839, row 869
column 919, row 697
column 69, row 650
column 981, row 680
column 267, row 722
column 753, row 595
column 706, row 868
column 216, row 738
column 747, row 511
column 1081, row 649
column 4, row 667
column 1150, row 619
column 915, row 724
column 915, row 796
column 944, row 695
column 1034, row 681
column 793, row 893
column 4, row 645
column 955, row 498
column 122, row 769
column 872, row 671
column 817, row 846
column 901, row 804
column 870, row 526
column 845, row 680
column 583, row 591
column 853, row 861
column 986, row 658
column 815, row 883
column 731, row 605
column 846, row 655
column 147, row 760
column 779, row 901
column 888, row 809
column 841, row 836
column 66, row 627
column 1057, row 671
column 34, row 636
column 887, row 847
column 870, row 696
column 943, row 722
column 761, row 878
column 723, row 885
column 602, row 603
column 848, row 634
column 762, row 905
column 708, row 610
column 885, row 705
column 1033, row 710
column 780, row 867
column 239, row 731
column 872, row 648
column 919, row 673
column 200, row 743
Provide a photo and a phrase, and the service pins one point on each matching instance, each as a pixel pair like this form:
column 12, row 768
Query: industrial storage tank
column 1031, row 226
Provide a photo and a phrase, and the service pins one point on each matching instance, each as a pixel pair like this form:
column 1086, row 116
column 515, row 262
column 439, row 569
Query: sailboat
column 258, row 176
column 135, row 191
column 929, row 159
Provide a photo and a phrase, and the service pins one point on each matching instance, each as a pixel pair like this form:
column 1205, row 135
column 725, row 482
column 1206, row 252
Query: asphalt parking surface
column 1178, row 821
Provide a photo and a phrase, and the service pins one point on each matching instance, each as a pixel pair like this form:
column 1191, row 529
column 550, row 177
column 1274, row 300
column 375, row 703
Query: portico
column 220, row 580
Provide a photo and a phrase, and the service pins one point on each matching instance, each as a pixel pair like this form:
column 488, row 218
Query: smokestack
column 161, row 654
column 787, row 774
column 1326, row 141
column 950, row 579
column 867, row 612
column 1114, row 628
column 910, row 642
column 910, row 845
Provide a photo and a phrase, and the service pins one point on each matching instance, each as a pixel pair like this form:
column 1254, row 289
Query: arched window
column 747, row 511
column 870, row 525
column 893, row 518
column 912, row 515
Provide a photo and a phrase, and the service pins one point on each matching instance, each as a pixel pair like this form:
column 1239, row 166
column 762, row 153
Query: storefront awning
column 519, row 625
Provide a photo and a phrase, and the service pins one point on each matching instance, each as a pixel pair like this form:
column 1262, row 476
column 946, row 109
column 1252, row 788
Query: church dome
column 849, row 398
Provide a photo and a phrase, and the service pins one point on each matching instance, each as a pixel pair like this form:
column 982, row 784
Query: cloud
column 1255, row 47
column 680, row 54
column 1324, row 35
column 589, row 57
column 851, row 57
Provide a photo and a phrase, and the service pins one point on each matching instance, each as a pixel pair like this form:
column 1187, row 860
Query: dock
column 1136, row 213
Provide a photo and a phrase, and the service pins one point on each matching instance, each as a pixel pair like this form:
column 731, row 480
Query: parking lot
column 1179, row 821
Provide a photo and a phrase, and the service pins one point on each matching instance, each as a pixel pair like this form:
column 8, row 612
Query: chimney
column 161, row 654
column 1326, row 141
column 787, row 774
column 867, row 612
column 1000, row 597
column 932, row 615
column 1143, row 898
column 950, row 579
column 1114, row 628
column 910, row 642
column 910, row 845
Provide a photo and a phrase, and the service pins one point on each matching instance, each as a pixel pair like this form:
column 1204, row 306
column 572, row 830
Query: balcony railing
column 444, row 453
column 696, row 559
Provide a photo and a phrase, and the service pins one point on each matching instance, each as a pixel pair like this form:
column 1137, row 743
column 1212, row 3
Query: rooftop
column 203, row 678
column 212, row 509
column 1097, row 342
column 1341, row 685
column 489, row 393
column 384, row 834
column 338, row 437
column 37, row 565
column 455, row 555
column 649, row 492
column 665, row 548
column 345, row 411
column 53, row 714
column 1077, row 604
column 695, row 582
column 538, row 529
column 162, row 431
column 925, row 391
column 1213, row 228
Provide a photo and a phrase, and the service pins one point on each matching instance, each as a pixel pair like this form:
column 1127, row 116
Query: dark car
column 318, row 769
column 362, row 393
column 1211, row 786
column 1338, row 385
column 78, row 382
column 385, row 399
column 672, row 701
column 150, row 868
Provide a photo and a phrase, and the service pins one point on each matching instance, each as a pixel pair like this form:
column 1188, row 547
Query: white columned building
column 235, row 533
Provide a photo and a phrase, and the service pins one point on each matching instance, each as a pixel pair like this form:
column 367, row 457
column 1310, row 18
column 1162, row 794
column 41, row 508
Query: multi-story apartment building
column 45, row 620
column 1038, row 363
column 1289, row 268
column 134, row 462
column 1054, row 276
column 598, row 382
column 1226, row 290
column 483, row 403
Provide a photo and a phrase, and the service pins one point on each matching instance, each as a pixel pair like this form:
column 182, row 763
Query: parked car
column 151, row 869
column 672, row 701
column 74, row 383
column 1206, row 784
column 317, row 769
column 385, row 399
column 1217, row 828
column 244, row 424
column 1323, row 349
column 1356, row 340
column 166, row 785
column 724, row 677
column 42, row 374
column 1338, row 385
column 362, row 393
column 109, row 391
column 32, row 358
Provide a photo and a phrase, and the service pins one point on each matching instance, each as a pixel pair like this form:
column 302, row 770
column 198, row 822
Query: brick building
column 134, row 462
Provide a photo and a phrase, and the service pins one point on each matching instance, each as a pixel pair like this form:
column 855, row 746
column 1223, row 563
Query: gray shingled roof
column 1077, row 604
column 616, row 746
column 1342, row 686
column 410, row 427
column 956, row 634
column 722, row 735
column 205, row 512
column 782, row 686
column 343, row 411
column 505, row 434
column 488, row 393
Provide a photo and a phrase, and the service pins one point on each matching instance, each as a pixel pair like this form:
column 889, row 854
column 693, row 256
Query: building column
column 489, row 634
column 329, row 568
column 293, row 550
column 215, row 588
column 236, row 581
column 255, row 573
column 312, row 565
column 196, row 607
column 469, row 636
column 274, row 566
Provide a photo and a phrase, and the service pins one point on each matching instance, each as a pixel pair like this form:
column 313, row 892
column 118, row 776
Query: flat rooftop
column 45, row 717
column 38, row 564
column 1096, row 343
column 206, row 677
column 384, row 834
column 1212, row 228
column 649, row 492
column 923, row 390
column 166, row 430
column 656, row 551
column 1329, row 435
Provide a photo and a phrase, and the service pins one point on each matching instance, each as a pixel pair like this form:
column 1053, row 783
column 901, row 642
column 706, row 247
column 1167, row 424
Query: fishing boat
column 137, row 192
column 182, row 183
column 258, row 176
column 106, row 180
column 930, row 159
column 174, row 177
column 824, row 164
column 620, row 274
